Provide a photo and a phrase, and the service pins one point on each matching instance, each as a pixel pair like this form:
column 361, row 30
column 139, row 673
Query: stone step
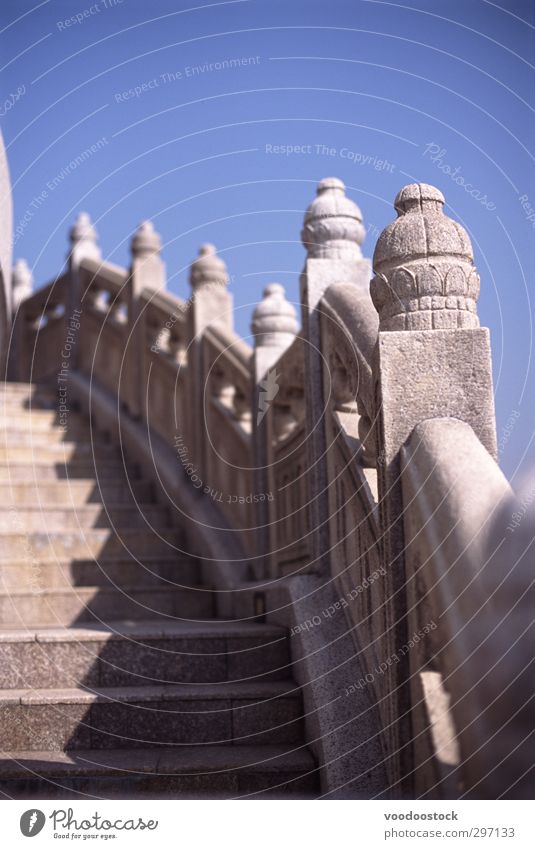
column 64, row 606
column 37, row 470
column 26, row 405
column 125, row 572
column 14, row 389
column 183, row 772
column 14, row 386
column 83, row 517
column 143, row 653
column 74, row 492
column 34, row 418
column 136, row 717
column 41, row 437
column 98, row 542
column 11, row 393
column 60, row 452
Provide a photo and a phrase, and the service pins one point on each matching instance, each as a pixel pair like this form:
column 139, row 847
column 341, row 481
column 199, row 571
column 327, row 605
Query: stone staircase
column 116, row 680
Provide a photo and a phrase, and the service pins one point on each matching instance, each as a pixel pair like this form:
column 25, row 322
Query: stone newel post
column 147, row 271
column 84, row 245
column 432, row 360
column 83, row 238
column 274, row 327
column 332, row 234
column 22, row 286
column 22, row 283
column 432, row 357
column 147, row 263
column 210, row 305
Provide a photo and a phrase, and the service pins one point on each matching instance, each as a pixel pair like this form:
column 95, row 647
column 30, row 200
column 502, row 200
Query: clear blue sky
column 381, row 81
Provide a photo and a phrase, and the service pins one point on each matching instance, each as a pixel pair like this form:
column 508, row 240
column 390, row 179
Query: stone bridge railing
column 359, row 451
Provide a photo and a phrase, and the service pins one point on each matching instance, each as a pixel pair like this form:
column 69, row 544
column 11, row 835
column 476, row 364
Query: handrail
column 449, row 509
column 232, row 347
column 105, row 272
column 353, row 319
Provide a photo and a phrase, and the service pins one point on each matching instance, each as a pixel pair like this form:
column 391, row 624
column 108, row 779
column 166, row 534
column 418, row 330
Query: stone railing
column 40, row 331
column 344, row 472
column 449, row 509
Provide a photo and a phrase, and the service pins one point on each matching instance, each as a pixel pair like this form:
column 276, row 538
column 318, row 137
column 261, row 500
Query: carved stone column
column 84, row 245
column 147, row 271
column 432, row 360
column 432, row 357
column 22, row 287
column 332, row 234
column 210, row 304
column 21, row 282
column 274, row 327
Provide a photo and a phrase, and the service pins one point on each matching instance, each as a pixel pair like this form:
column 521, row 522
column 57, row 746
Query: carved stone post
column 146, row 272
column 432, row 360
column 274, row 327
column 210, row 304
column 22, row 283
column 83, row 238
column 332, row 235
column 22, row 287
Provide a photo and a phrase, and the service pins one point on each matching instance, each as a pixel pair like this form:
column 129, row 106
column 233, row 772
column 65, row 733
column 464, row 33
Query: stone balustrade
column 356, row 454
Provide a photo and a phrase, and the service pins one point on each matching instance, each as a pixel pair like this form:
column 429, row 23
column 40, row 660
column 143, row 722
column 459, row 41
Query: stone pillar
column 21, row 282
column 83, row 238
column 274, row 327
column 332, row 234
column 21, row 288
column 147, row 272
column 432, row 360
column 210, row 305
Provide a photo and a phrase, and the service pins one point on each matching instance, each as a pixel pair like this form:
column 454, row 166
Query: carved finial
column 274, row 319
column 208, row 269
column 83, row 238
column 146, row 241
column 333, row 223
column 21, row 282
column 425, row 277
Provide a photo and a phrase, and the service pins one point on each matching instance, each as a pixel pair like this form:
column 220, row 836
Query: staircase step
column 54, row 606
column 35, row 419
column 123, row 571
column 27, row 392
column 62, row 451
column 13, row 393
column 97, row 542
column 178, row 772
column 74, row 492
column 13, row 387
column 128, row 653
column 41, row 437
column 35, row 470
column 43, row 517
column 135, row 717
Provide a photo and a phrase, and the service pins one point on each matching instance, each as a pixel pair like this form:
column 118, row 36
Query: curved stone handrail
column 449, row 510
column 232, row 347
column 352, row 311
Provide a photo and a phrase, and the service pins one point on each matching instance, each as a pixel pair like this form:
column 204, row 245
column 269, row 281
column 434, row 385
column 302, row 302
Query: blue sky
column 376, row 93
